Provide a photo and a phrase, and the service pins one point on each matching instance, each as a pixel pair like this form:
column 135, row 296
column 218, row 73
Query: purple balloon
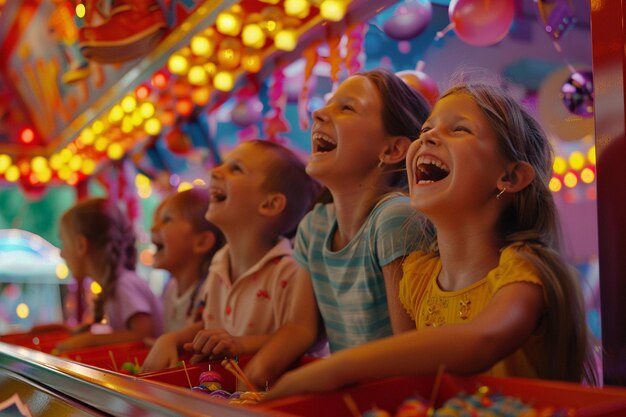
column 409, row 20
column 577, row 93
column 247, row 112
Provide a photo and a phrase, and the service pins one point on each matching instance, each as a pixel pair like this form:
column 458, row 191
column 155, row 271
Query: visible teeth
column 323, row 143
column 216, row 195
column 427, row 160
column 320, row 136
column 429, row 170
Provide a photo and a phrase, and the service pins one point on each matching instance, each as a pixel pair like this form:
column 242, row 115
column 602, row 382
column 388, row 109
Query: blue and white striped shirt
column 349, row 284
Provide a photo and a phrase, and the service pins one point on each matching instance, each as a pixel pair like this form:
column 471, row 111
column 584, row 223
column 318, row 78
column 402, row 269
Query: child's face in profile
column 347, row 135
column 236, row 187
column 172, row 234
column 455, row 164
column 70, row 252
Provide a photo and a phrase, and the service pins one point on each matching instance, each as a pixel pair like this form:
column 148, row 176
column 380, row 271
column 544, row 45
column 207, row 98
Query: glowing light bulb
column 87, row 136
column 95, row 288
column 101, row 144
column 559, row 165
column 570, row 180
column 555, row 185
column 224, row 81
column 38, row 163
column 253, row 36
column 129, row 103
column 184, row 186
column 286, row 40
column 591, row 155
column 115, row 151
column 89, row 166
column 76, row 163
column 228, row 23
column 5, row 162
column 97, row 127
column 152, row 126
column 333, row 10
column 587, row 175
column 116, row 114
column 576, row 160
column 201, row 46
column 80, row 11
column 12, row 173
column 22, row 310
column 251, row 63
column 297, row 8
column 62, row 271
column 197, row 75
column 146, row 109
column 177, row 64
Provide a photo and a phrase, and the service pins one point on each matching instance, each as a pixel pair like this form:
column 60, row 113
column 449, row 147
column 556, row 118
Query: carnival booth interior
column 134, row 99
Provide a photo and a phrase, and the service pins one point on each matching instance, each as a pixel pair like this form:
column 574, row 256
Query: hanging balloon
column 480, row 22
column 421, row 82
column 557, row 16
column 409, row 20
column 577, row 93
column 247, row 112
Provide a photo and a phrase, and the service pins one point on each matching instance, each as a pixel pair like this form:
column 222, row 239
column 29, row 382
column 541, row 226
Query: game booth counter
column 49, row 383
column 88, row 98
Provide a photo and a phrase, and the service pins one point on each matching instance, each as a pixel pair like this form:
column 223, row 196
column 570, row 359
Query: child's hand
column 74, row 342
column 314, row 377
column 164, row 354
column 213, row 342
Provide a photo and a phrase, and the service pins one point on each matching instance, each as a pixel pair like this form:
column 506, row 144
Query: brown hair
column 193, row 205
column 111, row 240
column 530, row 223
column 286, row 174
column 403, row 112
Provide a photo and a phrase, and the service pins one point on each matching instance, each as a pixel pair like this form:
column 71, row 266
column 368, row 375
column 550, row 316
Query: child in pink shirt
column 258, row 196
column 185, row 243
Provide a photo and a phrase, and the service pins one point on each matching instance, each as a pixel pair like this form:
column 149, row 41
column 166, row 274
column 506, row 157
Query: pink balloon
column 421, row 82
column 481, row 22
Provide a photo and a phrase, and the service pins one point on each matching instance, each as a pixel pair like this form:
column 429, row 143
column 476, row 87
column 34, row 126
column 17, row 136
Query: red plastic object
column 388, row 394
column 41, row 341
column 178, row 376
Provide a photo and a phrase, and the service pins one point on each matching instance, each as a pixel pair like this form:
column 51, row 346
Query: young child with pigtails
column 98, row 241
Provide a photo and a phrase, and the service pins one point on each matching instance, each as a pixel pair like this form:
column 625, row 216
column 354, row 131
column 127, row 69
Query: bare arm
column 139, row 327
column 500, row 329
column 164, row 353
column 400, row 319
column 292, row 340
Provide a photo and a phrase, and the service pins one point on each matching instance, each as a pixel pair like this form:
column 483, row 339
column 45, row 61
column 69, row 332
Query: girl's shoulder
column 392, row 205
column 420, row 262
column 515, row 266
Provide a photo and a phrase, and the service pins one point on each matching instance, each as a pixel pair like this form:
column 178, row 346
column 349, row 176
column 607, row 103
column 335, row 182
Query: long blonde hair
column 530, row 224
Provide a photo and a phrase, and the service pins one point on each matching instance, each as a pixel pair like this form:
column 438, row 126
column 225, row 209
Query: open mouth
column 323, row 143
column 430, row 170
column 216, row 195
column 158, row 247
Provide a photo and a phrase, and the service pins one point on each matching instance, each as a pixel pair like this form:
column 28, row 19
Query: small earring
column 381, row 163
column 500, row 193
